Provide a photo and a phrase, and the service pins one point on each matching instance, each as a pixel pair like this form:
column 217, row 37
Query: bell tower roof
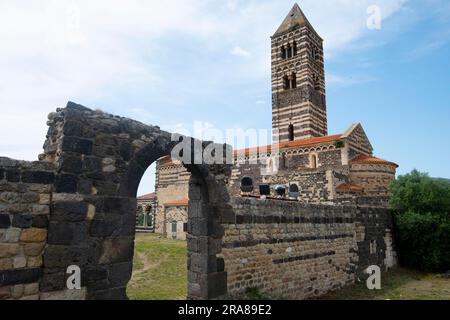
column 295, row 18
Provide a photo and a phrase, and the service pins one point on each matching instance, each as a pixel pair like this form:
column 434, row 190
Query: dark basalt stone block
column 5, row 221
column 69, row 211
column 40, row 221
column 42, row 177
column 126, row 150
column 220, row 265
column 24, row 220
column 77, row 145
column 53, row 282
column 96, row 277
column 13, row 175
column 73, row 128
column 57, row 256
column 71, row 165
column 85, row 186
column 92, row 164
column 66, row 183
column 121, row 206
column 19, row 276
column 66, row 233
column 76, row 106
column 120, row 273
column 105, row 227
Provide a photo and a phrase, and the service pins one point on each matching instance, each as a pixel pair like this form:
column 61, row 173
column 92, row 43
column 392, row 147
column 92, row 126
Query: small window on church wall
column 285, row 82
column 293, row 81
column 291, row 132
column 313, row 161
column 294, row 49
column 174, row 226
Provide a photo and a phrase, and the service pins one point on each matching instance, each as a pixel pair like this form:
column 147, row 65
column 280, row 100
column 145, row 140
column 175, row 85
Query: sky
column 175, row 63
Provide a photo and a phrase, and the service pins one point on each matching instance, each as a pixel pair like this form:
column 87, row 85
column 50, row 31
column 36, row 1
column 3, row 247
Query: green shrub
column 423, row 241
column 422, row 220
column 254, row 294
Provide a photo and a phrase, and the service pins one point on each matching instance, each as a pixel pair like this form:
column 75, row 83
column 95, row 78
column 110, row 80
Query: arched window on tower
column 283, row 52
column 293, row 80
column 316, row 82
column 291, row 132
column 315, row 54
column 285, row 82
column 294, row 49
column 289, row 51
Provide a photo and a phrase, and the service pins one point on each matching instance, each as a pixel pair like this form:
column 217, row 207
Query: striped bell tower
column 298, row 80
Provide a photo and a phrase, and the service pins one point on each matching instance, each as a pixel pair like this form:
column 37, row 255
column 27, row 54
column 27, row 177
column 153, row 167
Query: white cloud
column 238, row 51
column 53, row 51
column 232, row 5
column 430, row 45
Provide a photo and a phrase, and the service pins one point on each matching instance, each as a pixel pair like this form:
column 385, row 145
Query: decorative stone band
column 255, row 242
column 270, row 219
column 304, row 257
column 20, row 276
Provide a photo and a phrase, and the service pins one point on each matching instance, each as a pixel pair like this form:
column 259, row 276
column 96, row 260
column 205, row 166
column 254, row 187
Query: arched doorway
column 100, row 162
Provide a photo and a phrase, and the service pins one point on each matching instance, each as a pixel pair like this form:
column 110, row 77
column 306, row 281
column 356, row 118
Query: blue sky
column 176, row 62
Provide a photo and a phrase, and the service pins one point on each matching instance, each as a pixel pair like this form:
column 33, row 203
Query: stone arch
column 100, row 160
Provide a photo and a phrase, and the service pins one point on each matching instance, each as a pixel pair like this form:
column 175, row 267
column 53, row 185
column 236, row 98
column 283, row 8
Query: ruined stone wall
column 25, row 195
column 77, row 206
column 297, row 251
column 373, row 227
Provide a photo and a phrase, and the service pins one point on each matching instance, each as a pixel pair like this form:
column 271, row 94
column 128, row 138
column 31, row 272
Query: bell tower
column 298, row 80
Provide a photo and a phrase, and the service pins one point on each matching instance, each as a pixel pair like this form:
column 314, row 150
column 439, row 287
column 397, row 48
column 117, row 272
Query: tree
column 421, row 208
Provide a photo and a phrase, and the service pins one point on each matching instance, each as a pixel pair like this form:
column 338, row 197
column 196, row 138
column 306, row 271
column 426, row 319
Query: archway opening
column 160, row 252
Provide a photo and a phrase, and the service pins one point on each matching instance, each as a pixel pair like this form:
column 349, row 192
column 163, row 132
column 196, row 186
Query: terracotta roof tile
column 287, row 145
column 147, row 196
column 368, row 159
column 182, row 202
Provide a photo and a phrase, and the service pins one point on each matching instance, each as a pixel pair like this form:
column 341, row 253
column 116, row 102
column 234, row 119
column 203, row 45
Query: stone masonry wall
column 25, row 195
column 77, row 206
column 316, row 185
column 297, row 251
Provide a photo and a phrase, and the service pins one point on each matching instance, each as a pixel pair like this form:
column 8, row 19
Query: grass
column 159, row 269
column 398, row 284
column 160, row 274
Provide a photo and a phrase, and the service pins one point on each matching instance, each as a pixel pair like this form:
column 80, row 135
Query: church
column 313, row 166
